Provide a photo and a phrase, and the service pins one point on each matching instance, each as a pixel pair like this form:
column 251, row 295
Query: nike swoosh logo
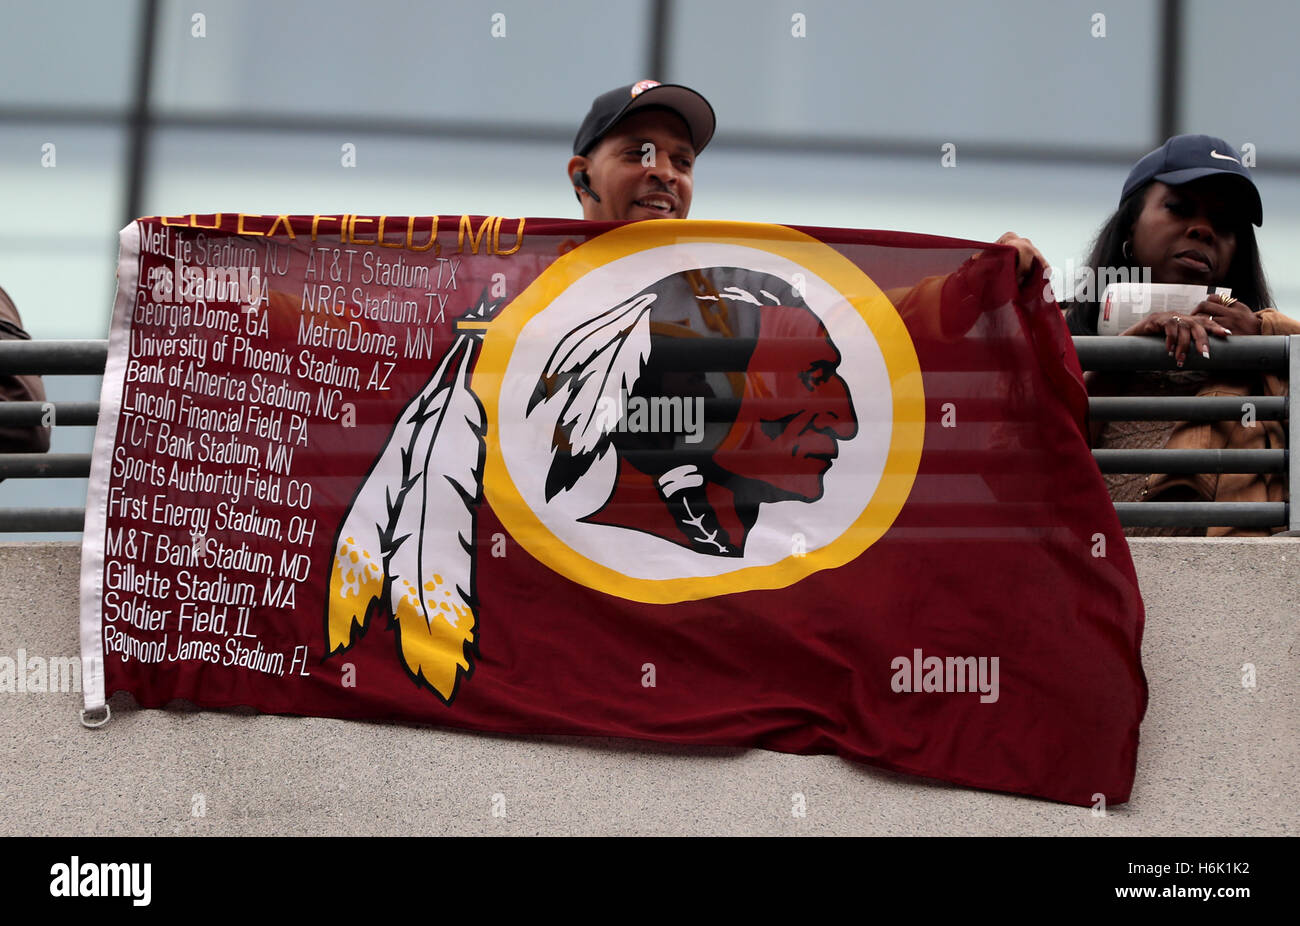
column 1223, row 157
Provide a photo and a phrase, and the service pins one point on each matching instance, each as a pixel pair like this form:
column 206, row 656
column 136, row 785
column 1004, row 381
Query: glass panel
column 71, row 52
column 212, row 171
column 400, row 59
column 1240, row 75
column 1001, row 71
column 58, row 245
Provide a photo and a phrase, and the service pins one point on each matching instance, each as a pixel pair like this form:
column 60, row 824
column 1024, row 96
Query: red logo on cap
column 643, row 85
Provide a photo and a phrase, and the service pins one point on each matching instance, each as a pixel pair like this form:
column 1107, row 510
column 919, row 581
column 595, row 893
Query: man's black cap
column 608, row 108
column 1185, row 158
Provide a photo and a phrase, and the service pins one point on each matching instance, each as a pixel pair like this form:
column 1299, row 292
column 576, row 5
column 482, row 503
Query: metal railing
column 48, row 358
column 1278, row 355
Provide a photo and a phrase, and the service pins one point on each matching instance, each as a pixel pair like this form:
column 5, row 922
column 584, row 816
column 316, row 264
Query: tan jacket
column 15, row 388
column 1233, row 435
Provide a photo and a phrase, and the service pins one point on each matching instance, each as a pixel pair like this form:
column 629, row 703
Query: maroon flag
column 813, row 490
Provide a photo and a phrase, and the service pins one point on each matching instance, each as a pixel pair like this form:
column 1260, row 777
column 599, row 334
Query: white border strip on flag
column 110, row 405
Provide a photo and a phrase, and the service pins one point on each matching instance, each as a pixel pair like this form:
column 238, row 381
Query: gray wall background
column 1215, row 759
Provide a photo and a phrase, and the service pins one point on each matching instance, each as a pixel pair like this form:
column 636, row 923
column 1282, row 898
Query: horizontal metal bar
column 943, row 461
column 25, row 465
column 503, row 130
column 18, row 414
column 47, row 465
column 71, row 115
column 1120, row 354
column 1108, row 461
column 1131, row 514
column 1191, row 461
column 1186, row 408
column 55, row 520
column 1095, row 353
column 46, row 357
column 1202, row 514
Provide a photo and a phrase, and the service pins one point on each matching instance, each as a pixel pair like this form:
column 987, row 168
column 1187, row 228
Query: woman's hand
column 1229, row 313
column 1180, row 331
column 1025, row 254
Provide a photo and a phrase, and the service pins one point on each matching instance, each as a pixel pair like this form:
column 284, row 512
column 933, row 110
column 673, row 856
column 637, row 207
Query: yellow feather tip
column 352, row 589
column 434, row 649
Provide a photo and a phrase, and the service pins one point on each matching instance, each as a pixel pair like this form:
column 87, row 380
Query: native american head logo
column 716, row 388
column 661, row 428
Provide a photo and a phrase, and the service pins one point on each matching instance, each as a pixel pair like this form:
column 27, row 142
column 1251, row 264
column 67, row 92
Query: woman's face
column 1188, row 233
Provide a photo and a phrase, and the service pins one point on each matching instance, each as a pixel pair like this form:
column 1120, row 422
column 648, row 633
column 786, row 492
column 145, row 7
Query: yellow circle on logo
column 876, row 311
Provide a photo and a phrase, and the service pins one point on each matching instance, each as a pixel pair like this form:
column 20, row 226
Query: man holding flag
column 634, row 157
column 634, row 154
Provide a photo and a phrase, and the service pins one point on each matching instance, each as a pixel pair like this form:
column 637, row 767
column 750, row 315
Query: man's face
column 1187, row 233
column 795, row 408
column 641, row 170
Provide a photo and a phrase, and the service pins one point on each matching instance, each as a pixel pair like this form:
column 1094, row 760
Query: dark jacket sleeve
column 19, row 388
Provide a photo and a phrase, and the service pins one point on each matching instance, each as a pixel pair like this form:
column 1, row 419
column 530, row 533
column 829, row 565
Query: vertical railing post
column 1293, row 432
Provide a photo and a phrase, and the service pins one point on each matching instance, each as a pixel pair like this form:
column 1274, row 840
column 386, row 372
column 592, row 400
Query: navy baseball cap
column 1185, row 158
column 608, row 108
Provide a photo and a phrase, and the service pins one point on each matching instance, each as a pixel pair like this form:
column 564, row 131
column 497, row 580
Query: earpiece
column 581, row 182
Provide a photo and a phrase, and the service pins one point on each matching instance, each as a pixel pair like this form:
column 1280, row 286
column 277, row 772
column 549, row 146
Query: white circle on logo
column 783, row 528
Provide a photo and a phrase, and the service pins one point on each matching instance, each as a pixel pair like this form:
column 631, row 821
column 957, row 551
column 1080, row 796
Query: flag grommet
column 93, row 724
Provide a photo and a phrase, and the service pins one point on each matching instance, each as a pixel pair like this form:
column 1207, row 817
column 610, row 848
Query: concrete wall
column 1216, row 758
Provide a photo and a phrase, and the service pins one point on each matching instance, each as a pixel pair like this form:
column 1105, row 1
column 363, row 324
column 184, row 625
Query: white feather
column 735, row 292
column 577, row 347
column 432, row 569
column 604, row 362
column 357, row 576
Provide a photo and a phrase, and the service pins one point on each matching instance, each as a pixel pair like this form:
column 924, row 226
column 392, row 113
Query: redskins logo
column 680, row 410
column 673, row 410
column 643, row 85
